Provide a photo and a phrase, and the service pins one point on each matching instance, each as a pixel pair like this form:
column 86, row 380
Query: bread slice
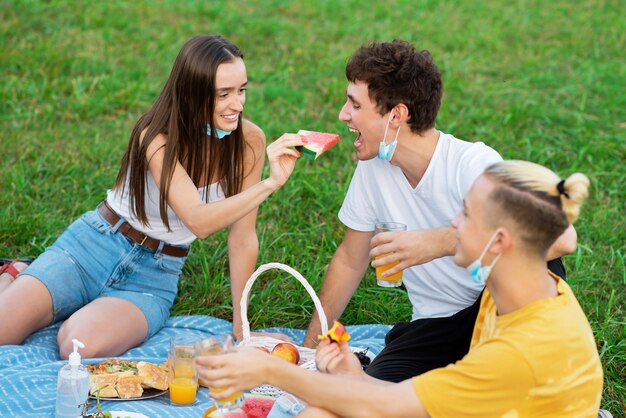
column 152, row 376
column 105, row 382
column 129, row 387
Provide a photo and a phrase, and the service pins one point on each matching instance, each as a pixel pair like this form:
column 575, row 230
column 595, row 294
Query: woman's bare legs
column 25, row 307
column 107, row 326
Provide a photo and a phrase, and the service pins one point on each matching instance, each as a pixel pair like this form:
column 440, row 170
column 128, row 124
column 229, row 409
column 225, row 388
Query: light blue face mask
column 385, row 151
column 477, row 271
column 220, row 133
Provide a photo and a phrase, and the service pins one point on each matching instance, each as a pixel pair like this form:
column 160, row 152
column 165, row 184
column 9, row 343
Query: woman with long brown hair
column 193, row 166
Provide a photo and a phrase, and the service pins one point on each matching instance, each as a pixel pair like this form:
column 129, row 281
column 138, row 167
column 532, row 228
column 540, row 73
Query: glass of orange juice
column 395, row 279
column 218, row 344
column 183, row 375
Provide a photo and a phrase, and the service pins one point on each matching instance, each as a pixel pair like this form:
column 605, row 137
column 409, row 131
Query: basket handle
column 245, row 324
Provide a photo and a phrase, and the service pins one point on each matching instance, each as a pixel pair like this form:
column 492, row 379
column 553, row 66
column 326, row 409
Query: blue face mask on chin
column 220, row 133
column 477, row 271
column 385, row 151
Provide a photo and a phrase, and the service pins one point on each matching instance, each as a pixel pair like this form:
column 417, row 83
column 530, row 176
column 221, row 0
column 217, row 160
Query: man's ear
column 400, row 114
column 503, row 241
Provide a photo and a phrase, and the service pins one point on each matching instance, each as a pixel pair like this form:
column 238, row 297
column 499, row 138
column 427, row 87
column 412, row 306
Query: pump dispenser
column 72, row 385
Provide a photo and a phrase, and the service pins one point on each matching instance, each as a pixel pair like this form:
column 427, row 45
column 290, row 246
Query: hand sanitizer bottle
column 72, row 386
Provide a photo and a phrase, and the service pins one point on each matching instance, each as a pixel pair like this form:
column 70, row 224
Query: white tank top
column 179, row 234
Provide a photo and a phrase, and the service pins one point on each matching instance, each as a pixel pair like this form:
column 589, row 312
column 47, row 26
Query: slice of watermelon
column 258, row 406
column 317, row 143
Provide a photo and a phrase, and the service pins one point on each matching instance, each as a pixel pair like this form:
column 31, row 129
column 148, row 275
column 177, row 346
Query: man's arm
column 412, row 248
column 565, row 244
column 342, row 395
column 345, row 396
column 345, row 271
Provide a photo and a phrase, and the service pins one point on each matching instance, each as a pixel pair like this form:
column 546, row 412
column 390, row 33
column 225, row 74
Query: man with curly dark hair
column 412, row 173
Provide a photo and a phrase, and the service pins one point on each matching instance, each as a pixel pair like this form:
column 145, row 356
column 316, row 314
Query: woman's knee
column 101, row 338
column 67, row 333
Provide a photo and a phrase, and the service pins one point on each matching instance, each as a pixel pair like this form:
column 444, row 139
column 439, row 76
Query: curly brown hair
column 395, row 72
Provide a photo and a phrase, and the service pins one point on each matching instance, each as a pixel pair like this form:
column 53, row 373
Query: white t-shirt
column 179, row 234
column 380, row 192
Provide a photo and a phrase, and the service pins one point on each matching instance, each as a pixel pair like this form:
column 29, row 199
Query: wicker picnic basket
column 307, row 355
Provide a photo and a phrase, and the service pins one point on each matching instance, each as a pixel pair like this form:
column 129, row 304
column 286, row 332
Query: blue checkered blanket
column 28, row 372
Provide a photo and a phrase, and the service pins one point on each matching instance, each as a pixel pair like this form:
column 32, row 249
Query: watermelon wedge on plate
column 317, row 143
column 255, row 406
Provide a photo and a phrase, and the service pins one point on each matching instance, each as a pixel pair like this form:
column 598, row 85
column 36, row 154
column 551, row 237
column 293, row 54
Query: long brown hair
column 181, row 113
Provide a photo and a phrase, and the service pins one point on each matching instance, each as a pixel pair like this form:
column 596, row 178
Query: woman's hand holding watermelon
column 282, row 159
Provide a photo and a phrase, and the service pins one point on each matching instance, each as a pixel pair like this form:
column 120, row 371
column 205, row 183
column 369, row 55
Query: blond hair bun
column 575, row 191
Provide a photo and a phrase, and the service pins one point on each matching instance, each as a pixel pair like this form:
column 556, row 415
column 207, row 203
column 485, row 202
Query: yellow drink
column 394, row 278
column 229, row 399
column 379, row 270
column 185, row 370
column 183, row 390
column 215, row 346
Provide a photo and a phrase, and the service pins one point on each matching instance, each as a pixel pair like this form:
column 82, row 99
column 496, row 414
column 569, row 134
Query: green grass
column 536, row 80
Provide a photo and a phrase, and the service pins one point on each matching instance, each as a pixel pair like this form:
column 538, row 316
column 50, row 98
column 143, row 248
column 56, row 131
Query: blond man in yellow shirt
column 532, row 354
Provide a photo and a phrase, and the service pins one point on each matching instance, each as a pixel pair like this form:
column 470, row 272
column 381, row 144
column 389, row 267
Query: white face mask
column 385, row 151
column 477, row 271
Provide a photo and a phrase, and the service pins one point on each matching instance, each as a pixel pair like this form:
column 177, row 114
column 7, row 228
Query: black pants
column 413, row 348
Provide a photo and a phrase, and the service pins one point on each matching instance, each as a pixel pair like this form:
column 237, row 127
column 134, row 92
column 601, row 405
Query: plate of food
column 125, row 380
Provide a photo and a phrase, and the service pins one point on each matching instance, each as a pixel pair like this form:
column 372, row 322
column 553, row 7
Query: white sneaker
column 603, row 413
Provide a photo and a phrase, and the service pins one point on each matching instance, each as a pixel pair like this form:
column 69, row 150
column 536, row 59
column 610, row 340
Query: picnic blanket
column 28, row 372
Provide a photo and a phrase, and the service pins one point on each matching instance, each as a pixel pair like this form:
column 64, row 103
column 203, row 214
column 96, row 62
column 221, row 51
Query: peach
column 287, row 352
column 337, row 333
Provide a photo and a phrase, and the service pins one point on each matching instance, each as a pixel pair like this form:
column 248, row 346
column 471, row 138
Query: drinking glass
column 395, row 279
column 215, row 345
column 183, row 375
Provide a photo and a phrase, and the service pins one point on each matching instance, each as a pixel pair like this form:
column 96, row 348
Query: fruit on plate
column 258, row 406
column 255, row 406
column 316, row 143
column 287, row 352
column 337, row 333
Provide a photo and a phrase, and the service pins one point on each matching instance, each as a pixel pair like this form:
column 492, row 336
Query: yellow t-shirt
column 539, row 361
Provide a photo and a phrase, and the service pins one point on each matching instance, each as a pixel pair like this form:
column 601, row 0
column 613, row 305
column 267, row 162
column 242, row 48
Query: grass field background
column 536, row 80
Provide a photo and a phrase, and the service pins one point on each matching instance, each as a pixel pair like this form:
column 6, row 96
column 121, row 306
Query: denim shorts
column 91, row 259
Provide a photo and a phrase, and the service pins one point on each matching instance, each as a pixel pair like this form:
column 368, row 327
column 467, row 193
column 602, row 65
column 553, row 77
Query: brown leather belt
column 139, row 237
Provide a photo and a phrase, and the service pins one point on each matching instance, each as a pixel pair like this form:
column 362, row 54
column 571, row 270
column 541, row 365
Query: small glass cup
column 183, row 375
column 395, row 279
column 218, row 344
